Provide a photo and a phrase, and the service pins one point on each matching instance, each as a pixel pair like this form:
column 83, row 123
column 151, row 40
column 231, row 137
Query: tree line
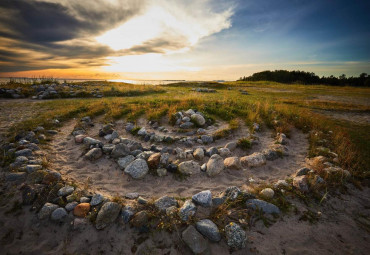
column 284, row 76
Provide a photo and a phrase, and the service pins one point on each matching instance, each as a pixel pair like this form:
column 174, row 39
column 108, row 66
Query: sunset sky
column 182, row 39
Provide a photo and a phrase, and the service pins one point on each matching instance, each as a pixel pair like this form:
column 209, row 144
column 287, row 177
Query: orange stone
column 81, row 210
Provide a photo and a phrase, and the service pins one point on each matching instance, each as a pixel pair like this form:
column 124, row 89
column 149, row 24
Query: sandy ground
column 357, row 117
column 105, row 176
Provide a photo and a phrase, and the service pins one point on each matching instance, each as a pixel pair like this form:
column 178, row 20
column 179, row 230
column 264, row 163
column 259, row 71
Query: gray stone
column 211, row 151
column 142, row 201
column 108, row 148
column 16, row 177
column 203, row 168
column 85, row 200
column 94, row 154
column 164, row 202
column 107, row 214
column 302, row 171
column 198, row 119
column 46, row 211
column 124, row 162
column 232, row 193
column 235, row 236
column 164, row 159
column 215, row 165
column 161, row 172
column 187, row 125
column 209, row 229
column 267, row 193
column 66, row 190
column 203, row 198
column 194, row 240
column 121, row 150
column 190, row 112
column 231, row 146
column 142, row 131
column 233, row 163
column 187, row 210
column 270, row 154
column 300, row 182
column 201, row 131
column 96, row 199
column 224, row 152
column 24, row 152
column 59, row 214
column 206, row 139
column 262, row 205
column 254, row 160
column 70, row 206
column 137, row 169
column 189, row 167
column 91, row 141
column 127, row 213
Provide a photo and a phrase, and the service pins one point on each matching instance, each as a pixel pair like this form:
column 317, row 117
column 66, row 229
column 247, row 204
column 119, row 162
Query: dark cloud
column 43, row 27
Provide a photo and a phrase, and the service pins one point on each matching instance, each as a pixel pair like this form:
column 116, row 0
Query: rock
column 81, row 210
column 107, row 214
column 302, row 171
column 24, row 152
column 281, row 184
column 264, row 206
column 172, row 168
column 270, row 154
column 106, row 130
column 142, row 201
column 127, row 213
column 282, row 139
column 187, row 210
column 91, row 141
column 267, row 193
column 187, row 125
column 224, row 152
column 300, row 182
column 46, row 210
column 164, row 159
column 233, row 163
column 235, row 236
column 189, row 167
column 108, row 148
column 140, row 219
column 211, row 151
column 96, row 199
column 85, row 200
column 206, row 139
column 198, row 119
column 137, row 169
column 203, row 198
column 280, row 149
column 231, row 146
column 217, row 201
column 153, row 160
column 20, row 160
column 256, row 127
column 129, row 127
column 161, row 172
column 70, row 206
column 215, row 165
column 164, row 202
column 79, row 138
column 254, row 160
column 203, row 168
column 201, row 131
column 16, row 177
column 65, row 191
column 124, row 162
column 59, row 214
column 120, row 150
column 142, row 132
column 194, row 240
column 198, row 154
column 209, row 229
column 232, row 193
column 94, row 154
column 190, row 112
column 132, row 195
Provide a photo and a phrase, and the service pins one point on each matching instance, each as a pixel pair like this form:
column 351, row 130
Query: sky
column 182, row 39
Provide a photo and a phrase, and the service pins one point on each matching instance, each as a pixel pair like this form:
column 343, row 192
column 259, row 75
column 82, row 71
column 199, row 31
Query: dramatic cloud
column 42, row 34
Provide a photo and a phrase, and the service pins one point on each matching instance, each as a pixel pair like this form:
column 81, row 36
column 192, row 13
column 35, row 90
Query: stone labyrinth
column 152, row 159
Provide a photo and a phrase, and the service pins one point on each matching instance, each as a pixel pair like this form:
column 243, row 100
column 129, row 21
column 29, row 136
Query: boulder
column 66, row 190
column 127, row 213
column 206, row 139
column 215, row 165
column 107, row 214
column 224, row 152
column 189, row 167
column 137, row 169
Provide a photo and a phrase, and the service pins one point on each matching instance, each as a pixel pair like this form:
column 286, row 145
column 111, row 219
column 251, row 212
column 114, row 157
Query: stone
column 267, row 193
column 59, row 214
column 189, row 167
column 129, row 127
column 20, row 160
column 107, row 214
column 265, row 207
column 194, row 240
column 217, row 201
column 203, row 198
column 96, row 199
column 94, row 154
column 172, row 168
column 70, row 206
column 46, row 211
column 108, row 148
column 66, row 190
column 85, row 199
column 132, row 195
column 140, row 219
column 16, row 177
column 171, row 211
column 282, row 139
column 209, row 229
column 302, row 171
column 201, row 131
column 211, row 151
column 206, row 139
column 187, row 210
column 164, row 202
column 91, row 141
column 281, row 184
column 215, row 165
column 164, row 159
column 142, row 201
column 254, row 160
column 127, row 213
column 232, row 193
column 198, row 154
column 190, row 112
column 153, row 160
column 198, row 119
column 24, row 152
column 142, row 131
column 120, row 150
column 300, row 182
column 124, row 162
column 233, row 163
column 203, row 168
column 79, row 138
column 235, row 236
column 270, row 154
column 231, row 146
column 137, row 169
column 224, row 152
column 82, row 210
column 161, row 172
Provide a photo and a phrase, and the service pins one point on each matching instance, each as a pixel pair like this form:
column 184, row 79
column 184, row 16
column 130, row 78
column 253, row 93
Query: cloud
column 41, row 34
